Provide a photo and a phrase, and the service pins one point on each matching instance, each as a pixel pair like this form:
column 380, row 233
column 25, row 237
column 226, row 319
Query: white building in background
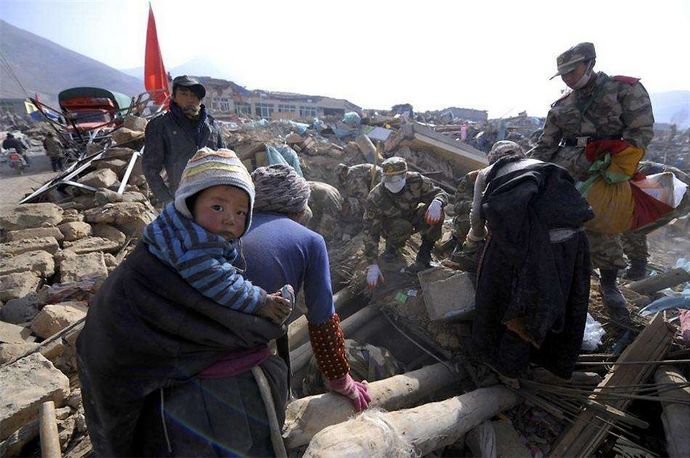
column 225, row 99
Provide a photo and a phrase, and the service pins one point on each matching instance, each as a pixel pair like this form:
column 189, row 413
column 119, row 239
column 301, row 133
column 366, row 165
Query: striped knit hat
column 280, row 189
column 209, row 168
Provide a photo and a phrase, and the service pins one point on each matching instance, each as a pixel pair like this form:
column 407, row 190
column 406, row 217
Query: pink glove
column 356, row 391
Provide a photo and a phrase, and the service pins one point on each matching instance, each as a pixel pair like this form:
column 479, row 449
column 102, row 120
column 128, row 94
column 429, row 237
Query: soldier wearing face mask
column 598, row 107
column 402, row 204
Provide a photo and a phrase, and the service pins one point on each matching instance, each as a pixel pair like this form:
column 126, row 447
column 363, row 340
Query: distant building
column 467, row 114
column 225, row 99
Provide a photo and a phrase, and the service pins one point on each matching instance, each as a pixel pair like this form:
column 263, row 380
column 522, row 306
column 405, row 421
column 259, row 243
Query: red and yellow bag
column 608, row 191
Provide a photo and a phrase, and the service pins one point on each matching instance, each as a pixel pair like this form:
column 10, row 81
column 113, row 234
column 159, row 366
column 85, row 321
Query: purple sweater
column 278, row 251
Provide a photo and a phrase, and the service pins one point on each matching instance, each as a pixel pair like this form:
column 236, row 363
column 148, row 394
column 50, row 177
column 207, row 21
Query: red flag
column 155, row 76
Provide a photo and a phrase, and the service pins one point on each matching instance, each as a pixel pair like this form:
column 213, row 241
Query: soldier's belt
column 584, row 141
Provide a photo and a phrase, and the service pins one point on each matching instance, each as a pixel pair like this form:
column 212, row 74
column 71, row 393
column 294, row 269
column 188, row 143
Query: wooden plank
column 656, row 283
column 588, row 431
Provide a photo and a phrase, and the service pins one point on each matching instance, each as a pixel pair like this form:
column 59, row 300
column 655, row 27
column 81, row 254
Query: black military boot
column 637, row 269
column 447, row 247
column 423, row 260
column 389, row 253
column 610, row 294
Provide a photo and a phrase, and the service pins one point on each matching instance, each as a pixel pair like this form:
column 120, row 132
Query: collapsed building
column 630, row 395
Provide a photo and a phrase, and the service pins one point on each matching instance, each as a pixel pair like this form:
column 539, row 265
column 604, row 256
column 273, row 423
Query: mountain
column 47, row 68
column 199, row 66
column 672, row 107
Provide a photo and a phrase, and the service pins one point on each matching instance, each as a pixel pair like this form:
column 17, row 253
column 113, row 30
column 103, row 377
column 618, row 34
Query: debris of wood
column 419, row 430
column 307, row 416
column 50, row 440
column 676, row 414
column 584, row 436
column 651, row 285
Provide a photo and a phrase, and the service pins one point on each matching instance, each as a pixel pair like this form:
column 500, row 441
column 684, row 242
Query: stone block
column 71, row 215
column 102, row 178
column 10, row 351
column 41, row 263
column 75, row 230
column 53, row 318
column 116, row 165
column 293, row 138
column 119, row 153
column 28, row 216
column 20, row 310
column 76, row 267
column 448, row 294
column 16, row 285
column 109, row 232
column 32, row 381
column 49, row 244
column 130, row 216
column 128, row 137
column 90, row 245
column 35, row 233
column 110, row 261
column 135, row 123
column 12, row 333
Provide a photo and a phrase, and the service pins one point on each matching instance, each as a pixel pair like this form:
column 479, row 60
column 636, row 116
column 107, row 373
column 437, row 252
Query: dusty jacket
column 171, row 140
column 528, row 275
column 146, row 329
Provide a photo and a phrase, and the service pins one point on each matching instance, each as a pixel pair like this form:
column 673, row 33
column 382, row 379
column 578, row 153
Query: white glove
column 434, row 213
column 373, row 275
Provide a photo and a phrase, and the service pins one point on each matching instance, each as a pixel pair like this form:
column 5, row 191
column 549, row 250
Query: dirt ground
column 14, row 187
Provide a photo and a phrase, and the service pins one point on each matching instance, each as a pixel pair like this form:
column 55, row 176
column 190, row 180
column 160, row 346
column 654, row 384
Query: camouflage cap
column 567, row 61
column 394, row 166
column 504, row 148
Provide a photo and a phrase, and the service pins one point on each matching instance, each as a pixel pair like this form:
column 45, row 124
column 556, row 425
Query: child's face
column 222, row 210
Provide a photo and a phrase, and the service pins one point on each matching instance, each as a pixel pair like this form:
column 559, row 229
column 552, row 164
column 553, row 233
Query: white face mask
column 395, row 184
column 585, row 78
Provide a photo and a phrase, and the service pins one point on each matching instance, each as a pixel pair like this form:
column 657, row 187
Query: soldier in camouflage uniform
column 599, row 107
column 462, row 204
column 355, row 183
column 635, row 242
column 402, row 204
column 326, row 206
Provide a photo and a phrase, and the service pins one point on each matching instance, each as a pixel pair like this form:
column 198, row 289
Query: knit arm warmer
column 328, row 344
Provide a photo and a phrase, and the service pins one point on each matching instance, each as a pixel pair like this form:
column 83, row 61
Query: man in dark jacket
column 172, row 139
column 14, row 143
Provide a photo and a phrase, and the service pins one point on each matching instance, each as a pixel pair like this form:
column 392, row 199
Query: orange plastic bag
column 607, row 190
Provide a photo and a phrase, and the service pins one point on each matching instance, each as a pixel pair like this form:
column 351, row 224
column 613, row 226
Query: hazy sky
column 492, row 55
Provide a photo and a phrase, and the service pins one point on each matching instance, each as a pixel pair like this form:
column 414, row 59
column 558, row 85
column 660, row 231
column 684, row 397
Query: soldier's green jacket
column 359, row 181
column 464, row 194
column 383, row 206
column 605, row 108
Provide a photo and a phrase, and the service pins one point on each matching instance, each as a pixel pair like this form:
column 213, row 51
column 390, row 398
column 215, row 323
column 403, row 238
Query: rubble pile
column 57, row 249
column 54, row 255
column 669, row 146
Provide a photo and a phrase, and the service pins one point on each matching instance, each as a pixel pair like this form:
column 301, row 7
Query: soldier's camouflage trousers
column 606, row 251
column 398, row 231
column 461, row 226
column 635, row 245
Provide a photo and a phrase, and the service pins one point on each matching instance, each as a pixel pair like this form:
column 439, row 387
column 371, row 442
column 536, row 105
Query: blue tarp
column 283, row 154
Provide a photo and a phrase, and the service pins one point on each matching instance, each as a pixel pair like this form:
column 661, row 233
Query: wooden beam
column 656, row 283
column 307, row 416
column 676, row 415
column 417, row 432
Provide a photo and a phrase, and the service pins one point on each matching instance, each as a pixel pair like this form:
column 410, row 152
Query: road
column 14, row 187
